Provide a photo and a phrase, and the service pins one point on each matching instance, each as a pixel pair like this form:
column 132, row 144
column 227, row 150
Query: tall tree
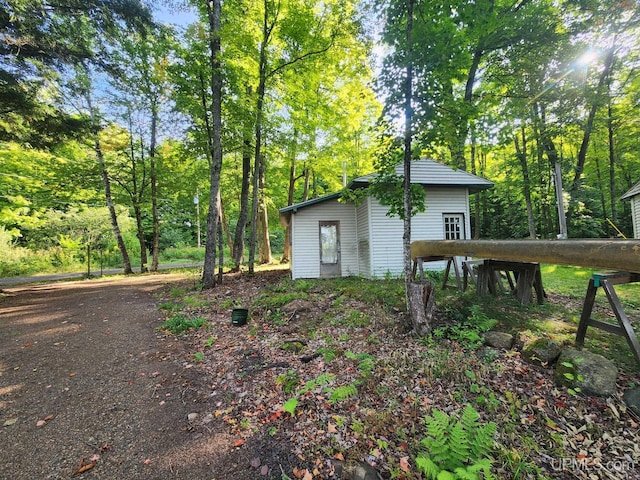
column 38, row 39
column 84, row 85
column 214, row 12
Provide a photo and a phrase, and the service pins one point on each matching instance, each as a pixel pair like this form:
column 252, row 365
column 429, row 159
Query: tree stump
column 422, row 305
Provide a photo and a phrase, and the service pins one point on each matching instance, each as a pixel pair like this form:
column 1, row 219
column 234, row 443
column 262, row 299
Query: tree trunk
column 286, row 254
column 126, row 262
column 549, row 147
column 265, row 243
column 140, row 230
column 208, row 273
column 262, row 85
column 153, row 174
column 408, row 120
column 588, row 128
column 241, row 225
column 136, row 193
column 522, row 156
column 421, row 306
column 612, row 158
column 221, row 250
column 307, row 174
column 224, row 224
column 601, row 189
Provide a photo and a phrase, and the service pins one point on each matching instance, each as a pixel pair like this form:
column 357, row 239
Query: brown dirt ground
column 85, row 377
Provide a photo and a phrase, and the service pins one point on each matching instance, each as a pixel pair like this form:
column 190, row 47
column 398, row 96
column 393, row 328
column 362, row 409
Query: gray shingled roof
column 431, row 173
column 424, row 171
column 633, row 191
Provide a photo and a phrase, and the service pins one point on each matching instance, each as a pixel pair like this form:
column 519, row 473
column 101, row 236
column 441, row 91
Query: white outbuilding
column 332, row 237
column 633, row 195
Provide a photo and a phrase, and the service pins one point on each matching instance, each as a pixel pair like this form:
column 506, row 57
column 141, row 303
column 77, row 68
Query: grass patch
column 179, row 324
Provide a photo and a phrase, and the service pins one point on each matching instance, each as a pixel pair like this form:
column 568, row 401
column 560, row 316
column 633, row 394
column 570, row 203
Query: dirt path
column 86, row 378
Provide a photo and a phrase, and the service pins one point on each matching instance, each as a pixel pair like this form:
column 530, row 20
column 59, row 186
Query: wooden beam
column 611, row 253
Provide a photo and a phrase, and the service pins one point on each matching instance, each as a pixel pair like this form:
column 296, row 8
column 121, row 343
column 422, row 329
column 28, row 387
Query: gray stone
column 499, row 340
column 192, row 417
column 361, row 471
column 542, row 351
column 589, row 372
column 631, row 398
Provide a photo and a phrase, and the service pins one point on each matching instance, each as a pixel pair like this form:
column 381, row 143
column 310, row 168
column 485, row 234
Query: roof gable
column 431, row 173
column 424, row 172
column 633, row 191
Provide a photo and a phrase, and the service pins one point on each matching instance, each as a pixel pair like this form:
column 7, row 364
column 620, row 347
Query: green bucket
column 239, row 317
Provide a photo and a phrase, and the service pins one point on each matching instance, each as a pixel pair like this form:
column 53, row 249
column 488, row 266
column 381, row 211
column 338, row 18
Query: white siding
column 364, row 238
column 635, row 215
column 386, row 232
column 305, row 243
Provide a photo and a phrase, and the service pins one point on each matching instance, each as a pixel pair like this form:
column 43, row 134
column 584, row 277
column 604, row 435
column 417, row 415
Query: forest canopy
column 179, row 135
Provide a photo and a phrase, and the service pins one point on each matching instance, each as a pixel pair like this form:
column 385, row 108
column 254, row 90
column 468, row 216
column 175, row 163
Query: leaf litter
column 358, row 386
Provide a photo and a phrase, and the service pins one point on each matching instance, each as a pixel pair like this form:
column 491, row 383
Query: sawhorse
column 523, row 277
column 624, row 328
column 419, row 261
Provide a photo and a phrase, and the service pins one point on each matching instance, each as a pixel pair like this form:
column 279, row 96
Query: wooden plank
column 615, row 254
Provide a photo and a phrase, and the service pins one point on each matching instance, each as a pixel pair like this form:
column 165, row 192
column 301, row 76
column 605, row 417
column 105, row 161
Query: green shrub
column 193, row 254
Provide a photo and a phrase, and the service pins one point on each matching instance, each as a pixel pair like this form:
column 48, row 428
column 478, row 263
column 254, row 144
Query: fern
column 291, row 404
column 365, row 361
column 456, row 448
column 343, row 392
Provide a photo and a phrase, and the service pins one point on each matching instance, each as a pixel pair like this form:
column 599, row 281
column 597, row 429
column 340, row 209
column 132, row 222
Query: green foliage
column 182, row 254
column 179, row 324
column 456, row 447
column 328, row 354
column 366, row 361
column 289, row 381
column 275, row 300
column 198, row 356
column 342, row 393
column 469, row 327
column 291, row 404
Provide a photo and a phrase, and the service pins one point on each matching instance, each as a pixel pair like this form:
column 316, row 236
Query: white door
column 330, row 249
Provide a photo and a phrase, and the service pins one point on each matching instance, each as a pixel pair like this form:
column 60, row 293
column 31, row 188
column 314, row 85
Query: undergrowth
column 179, row 324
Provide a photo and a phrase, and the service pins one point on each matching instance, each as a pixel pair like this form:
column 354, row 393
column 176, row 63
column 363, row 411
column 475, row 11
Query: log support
column 606, row 281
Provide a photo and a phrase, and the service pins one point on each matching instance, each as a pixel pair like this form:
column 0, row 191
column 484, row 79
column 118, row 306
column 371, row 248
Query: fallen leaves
column 83, row 467
column 43, row 422
column 381, row 422
column 10, row 422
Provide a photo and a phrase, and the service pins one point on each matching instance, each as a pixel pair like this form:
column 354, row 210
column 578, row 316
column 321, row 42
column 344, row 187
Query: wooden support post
column 624, row 328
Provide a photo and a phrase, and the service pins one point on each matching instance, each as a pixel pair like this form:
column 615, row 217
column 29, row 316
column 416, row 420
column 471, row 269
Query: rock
column 192, row 417
column 591, row 373
column 631, row 398
column 362, row 471
column 208, row 418
column 542, row 351
column 294, row 346
column 499, row 340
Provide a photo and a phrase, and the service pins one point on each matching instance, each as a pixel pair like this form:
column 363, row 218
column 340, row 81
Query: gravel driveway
column 89, row 388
